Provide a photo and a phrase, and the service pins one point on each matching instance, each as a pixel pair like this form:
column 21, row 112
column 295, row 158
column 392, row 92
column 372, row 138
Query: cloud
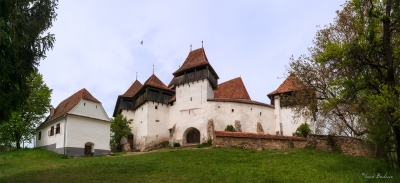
column 98, row 43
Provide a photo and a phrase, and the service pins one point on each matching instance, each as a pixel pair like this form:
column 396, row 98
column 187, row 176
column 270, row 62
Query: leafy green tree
column 119, row 129
column 356, row 59
column 23, row 43
column 21, row 127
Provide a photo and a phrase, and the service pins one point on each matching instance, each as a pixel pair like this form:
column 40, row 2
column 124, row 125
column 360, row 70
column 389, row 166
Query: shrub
column 303, row 130
column 176, row 144
column 230, row 128
column 207, row 143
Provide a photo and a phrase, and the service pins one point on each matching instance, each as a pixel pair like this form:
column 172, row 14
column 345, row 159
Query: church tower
column 195, row 81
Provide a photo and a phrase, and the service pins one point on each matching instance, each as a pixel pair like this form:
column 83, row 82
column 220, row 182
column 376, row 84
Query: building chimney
column 51, row 111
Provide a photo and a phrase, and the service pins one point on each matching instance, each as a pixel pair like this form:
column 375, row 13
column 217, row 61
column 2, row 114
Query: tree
column 119, row 129
column 23, row 44
column 21, row 127
column 354, row 68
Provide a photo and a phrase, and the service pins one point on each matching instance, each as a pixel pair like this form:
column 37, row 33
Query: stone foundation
column 345, row 145
column 257, row 141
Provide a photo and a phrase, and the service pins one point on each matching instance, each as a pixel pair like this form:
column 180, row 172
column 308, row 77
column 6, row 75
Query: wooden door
column 130, row 141
column 88, row 150
column 193, row 136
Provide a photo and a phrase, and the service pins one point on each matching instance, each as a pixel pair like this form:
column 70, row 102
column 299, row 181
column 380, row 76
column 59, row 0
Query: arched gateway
column 192, row 135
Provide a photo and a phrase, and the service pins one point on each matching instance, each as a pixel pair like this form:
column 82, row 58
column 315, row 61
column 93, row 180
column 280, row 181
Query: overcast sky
column 98, row 42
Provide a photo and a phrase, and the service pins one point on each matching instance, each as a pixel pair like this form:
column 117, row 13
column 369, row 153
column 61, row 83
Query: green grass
column 193, row 165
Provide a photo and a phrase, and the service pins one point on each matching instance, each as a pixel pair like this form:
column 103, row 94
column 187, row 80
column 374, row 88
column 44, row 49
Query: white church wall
column 193, row 95
column 190, row 109
column 90, row 108
column 157, row 124
column 139, row 126
column 289, row 119
column 186, row 119
column 129, row 114
column 225, row 113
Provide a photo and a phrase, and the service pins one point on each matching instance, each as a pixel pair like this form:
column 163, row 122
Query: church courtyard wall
column 257, row 141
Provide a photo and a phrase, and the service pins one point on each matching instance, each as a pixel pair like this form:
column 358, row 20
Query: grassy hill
column 195, row 165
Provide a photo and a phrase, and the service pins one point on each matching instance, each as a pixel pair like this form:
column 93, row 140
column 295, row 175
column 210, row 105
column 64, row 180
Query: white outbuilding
column 78, row 126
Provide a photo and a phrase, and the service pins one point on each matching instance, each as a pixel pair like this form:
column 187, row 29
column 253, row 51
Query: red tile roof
column 196, row 58
column 232, row 89
column 135, row 87
column 68, row 104
column 155, row 82
column 257, row 135
column 241, row 101
column 291, row 83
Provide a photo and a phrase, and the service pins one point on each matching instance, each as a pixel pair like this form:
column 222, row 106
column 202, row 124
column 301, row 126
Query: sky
column 98, row 43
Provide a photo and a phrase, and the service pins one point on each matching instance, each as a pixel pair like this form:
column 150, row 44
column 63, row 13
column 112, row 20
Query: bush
column 230, row 128
column 207, row 143
column 303, row 130
column 177, row 144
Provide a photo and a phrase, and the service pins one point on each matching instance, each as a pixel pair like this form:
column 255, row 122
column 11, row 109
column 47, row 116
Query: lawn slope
column 195, row 165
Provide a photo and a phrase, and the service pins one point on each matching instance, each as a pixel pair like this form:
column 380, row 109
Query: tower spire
column 190, row 47
column 202, row 44
column 136, row 75
column 153, row 68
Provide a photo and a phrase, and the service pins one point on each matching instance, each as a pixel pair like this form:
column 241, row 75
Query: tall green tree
column 356, row 71
column 119, row 129
column 23, row 43
column 21, row 127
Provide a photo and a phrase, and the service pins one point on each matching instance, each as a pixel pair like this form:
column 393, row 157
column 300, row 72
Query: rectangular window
column 52, row 131
column 40, row 136
column 58, row 128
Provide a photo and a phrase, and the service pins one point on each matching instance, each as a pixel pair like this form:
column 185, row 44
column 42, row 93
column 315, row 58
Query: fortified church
column 193, row 105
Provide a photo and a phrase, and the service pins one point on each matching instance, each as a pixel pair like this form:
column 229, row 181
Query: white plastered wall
column 81, row 130
column 290, row 121
column 247, row 114
column 189, row 109
column 90, row 109
column 138, row 125
column 57, row 139
column 157, row 125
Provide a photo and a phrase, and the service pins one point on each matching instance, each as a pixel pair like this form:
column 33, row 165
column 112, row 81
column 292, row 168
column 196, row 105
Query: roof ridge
column 154, row 81
column 69, row 103
column 231, row 79
column 195, row 58
column 133, row 89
